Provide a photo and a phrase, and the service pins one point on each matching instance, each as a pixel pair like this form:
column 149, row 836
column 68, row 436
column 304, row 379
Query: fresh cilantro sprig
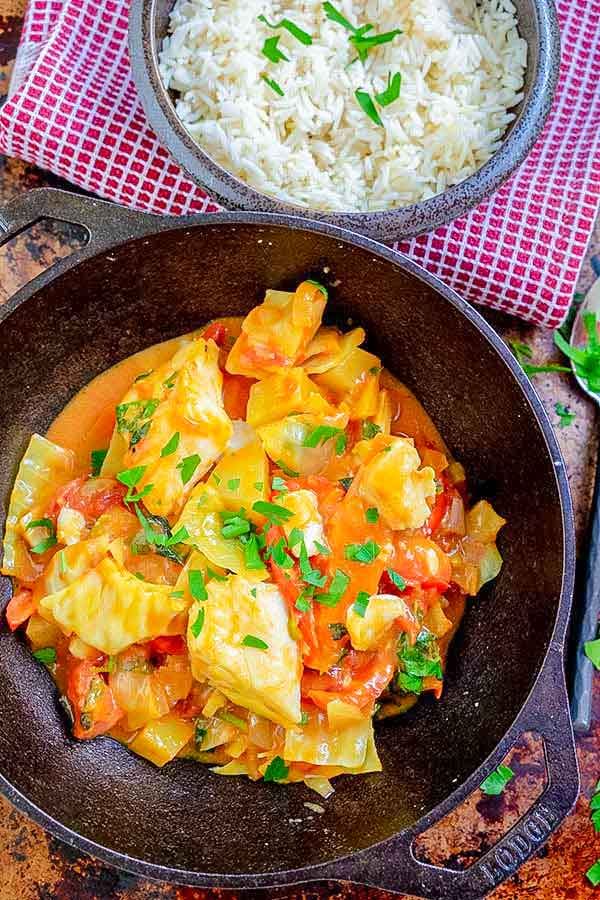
column 496, row 781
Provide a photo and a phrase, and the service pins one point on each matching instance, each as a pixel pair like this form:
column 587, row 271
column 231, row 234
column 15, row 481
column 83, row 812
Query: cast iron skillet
column 148, row 24
column 142, row 279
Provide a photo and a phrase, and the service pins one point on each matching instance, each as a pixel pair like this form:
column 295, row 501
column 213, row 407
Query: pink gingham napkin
column 73, row 109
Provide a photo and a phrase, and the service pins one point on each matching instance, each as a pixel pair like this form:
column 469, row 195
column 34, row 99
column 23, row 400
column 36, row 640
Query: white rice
column 462, row 64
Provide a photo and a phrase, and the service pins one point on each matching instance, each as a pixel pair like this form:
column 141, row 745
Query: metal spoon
column 581, row 704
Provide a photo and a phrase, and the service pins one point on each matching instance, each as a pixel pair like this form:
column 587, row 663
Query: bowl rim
column 111, row 226
column 392, row 224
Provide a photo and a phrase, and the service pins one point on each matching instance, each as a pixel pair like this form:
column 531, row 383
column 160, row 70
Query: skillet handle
column 105, row 224
column 393, row 866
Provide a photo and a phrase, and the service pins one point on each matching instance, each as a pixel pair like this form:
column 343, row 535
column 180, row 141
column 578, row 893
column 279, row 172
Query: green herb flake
column 198, row 624
column 235, row 525
column 364, row 553
column 322, row 549
column 139, row 576
column 272, row 51
column 346, row 482
column 286, row 469
column 335, row 16
column 337, row 589
column 188, row 466
column 171, row 445
column 396, row 579
column 233, row 484
column 170, row 382
column 276, row 770
column 320, row 435
column 259, row 485
column 131, row 477
column 593, row 874
column 496, row 781
column 278, row 484
column 303, row 601
column 252, row 558
column 565, row 417
column 372, row 515
column 369, row 430
column 361, row 603
column 49, row 541
column 304, row 719
column 319, row 286
column 273, row 85
column 592, row 651
column 279, row 555
column 251, row 640
column 392, row 91
column 275, row 514
column 338, row 630
column 196, row 585
column 62, row 562
column 142, row 376
column 98, row 457
column 200, row 733
column 293, row 29
column 341, row 442
column 363, row 44
column 46, row 655
column 133, row 418
column 211, row 574
column 366, row 104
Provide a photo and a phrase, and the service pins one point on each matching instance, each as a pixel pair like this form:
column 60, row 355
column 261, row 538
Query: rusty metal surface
column 34, row 866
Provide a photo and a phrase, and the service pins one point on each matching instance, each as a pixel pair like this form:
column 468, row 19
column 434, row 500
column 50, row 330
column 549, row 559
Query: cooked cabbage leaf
column 110, row 609
column 320, row 744
column 266, row 682
column 366, row 632
column 44, row 469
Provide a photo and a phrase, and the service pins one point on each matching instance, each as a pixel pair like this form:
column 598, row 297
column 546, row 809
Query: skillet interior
column 184, row 817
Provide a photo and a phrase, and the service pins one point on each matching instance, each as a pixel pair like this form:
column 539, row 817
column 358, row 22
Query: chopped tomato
column 437, row 513
column 420, row 561
column 236, row 390
column 169, row 644
column 94, row 708
column 20, row 608
column 217, row 332
column 360, row 679
column 89, row 496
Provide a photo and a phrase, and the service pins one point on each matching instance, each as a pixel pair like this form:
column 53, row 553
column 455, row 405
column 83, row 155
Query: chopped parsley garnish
column 279, row 555
column 595, row 808
column 163, row 540
column 188, row 466
column 273, row 85
column 276, row 770
column 338, row 630
column 369, row 430
column 365, row 43
column 366, row 104
column 177, row 594
column 234, row 720
column 341, row 442
column 278, row 484
column 134, row 418
column 324, row 551
column 233, row 484
column 272, row 51
column 235, row 525
column 565, row 417
column 295, row 537
column 396, row 579
column 346, row 482
column 210, row 573
column 170, row 382
column 592, row 651
column 259, row 485
column 593, row 873
column 304, row 598
column 335, row 16
column 62, row 562
column 252, row 558
column 277, row 515
column 496, row 781
column 363, row 553
column 199, row 733
column 361, row 603
column 216, row 479
column 286, row 469
column 46, row 655
column 335, row 591
column 293, row 29
column 320, row 435
column 98, row 457
column 131, row 478
column 171, row 445
column 48, row 542
column 252, row 641
column 196, row 585
column 372, row 515
column 304, row 719
column 139, row 576
column 197, row 626
column 390, row 94
column 422, row 660
column 142, row 376
column 318, row 285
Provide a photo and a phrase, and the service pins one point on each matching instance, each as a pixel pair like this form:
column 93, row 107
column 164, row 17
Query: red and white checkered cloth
column 73, row 109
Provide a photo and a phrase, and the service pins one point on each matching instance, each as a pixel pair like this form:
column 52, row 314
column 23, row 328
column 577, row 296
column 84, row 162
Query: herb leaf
column 46, row 655
column 372, row 515
column 98, row 457
column 392, row 91
column 273, row 85
column 369, row 430
column 171, row 445
column 276, row 770
column 366, row 104
column 293, row 29
column 252, row 641
column 592, row 651
column 496, row 781
column 188, row 466
column 363, row 553
column 564, row 415
column 320, row 435
column 134, row 418
column 318, row 285
column 335, row 16
column 338, row 630
column 198, row 624
column 272, row 51
column 276, row 514
column 286, row 469
column 396, row 579
column 196, row 585
column 48, row 542
column 361, row 603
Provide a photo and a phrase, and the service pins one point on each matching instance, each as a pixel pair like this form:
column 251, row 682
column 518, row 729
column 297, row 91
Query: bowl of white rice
column 388, row 117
